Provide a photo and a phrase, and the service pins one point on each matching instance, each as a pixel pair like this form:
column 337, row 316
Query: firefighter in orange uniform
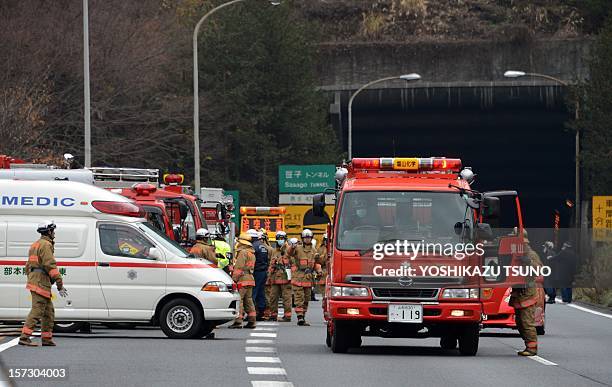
column 523, row 299
column 42, row 272
column 242, row 274
column 303, row 267
column 203, row 247
column 323, row 260
column 280, row 280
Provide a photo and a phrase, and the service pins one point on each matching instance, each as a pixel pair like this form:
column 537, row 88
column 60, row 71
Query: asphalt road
column 576, row 351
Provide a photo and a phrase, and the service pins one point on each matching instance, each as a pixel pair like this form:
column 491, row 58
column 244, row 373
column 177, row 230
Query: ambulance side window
column 122, row 241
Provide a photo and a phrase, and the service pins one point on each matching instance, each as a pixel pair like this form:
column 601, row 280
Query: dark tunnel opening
column 519, row 143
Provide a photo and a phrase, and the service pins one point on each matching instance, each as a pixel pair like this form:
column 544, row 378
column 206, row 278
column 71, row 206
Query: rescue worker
column 242, row 274
column 280, row 279
column 323, row 260
column 523, row 299
column 203, row 247
column 42, row 272
column 303, row 266
column 262, row 260
column 223, row 251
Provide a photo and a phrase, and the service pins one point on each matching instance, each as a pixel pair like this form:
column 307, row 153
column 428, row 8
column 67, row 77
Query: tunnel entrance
column 513, row 138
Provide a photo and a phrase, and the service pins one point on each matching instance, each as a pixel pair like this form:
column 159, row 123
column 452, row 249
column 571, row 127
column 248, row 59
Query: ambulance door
column 12, row 280
column 132, row 281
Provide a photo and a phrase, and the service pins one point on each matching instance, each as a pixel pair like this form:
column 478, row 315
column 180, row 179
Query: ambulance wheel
column 69, row 327
column 468, row 341
column 342, row 338
column 541, row 330
column 181, row 319
column 448, row 342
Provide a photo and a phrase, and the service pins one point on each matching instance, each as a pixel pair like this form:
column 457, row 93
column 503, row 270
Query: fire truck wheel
column 468, row 341
column 328, row 335
column 541, row 330
column 181, row 319
column 448, row 342
column 341, row 338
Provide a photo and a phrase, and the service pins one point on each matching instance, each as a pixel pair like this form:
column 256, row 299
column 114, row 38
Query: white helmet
column 307, row 233
column 202, row 233
column 281, row 234
column 46, row 226
column 293, row 241
column 254, row 234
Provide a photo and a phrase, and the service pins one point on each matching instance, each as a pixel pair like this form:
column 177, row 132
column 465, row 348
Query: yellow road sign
column 602, row 218
column 299, row 217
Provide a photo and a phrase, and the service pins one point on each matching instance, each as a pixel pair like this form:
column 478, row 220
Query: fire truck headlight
column 460, row 293
column 346, row 291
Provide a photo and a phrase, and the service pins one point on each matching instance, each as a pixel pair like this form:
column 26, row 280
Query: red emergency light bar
column 119, row 208
column 144, row 189
column 409, row 164
column 262, row 210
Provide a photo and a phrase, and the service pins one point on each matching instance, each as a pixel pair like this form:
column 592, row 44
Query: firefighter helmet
column 46, row 226
column 202, row 233
column 281, row 235
column 307, row 233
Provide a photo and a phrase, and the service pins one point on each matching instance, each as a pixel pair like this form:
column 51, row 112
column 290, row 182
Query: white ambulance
column 116, row 267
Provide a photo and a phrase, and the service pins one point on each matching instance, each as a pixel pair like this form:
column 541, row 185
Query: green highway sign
column 306, row 178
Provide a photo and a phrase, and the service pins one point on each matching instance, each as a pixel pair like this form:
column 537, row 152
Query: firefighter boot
column 301, row 322
column 250, row 325
column 286, row 319
column 48, row 343
column 236, row 325
column 527, row 352
column 27, row 342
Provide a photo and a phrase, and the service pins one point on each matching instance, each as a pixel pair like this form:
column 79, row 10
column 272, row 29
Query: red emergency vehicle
column 503, row 316
column 414, row 200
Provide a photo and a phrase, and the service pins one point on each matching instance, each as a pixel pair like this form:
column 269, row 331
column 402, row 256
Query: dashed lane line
column 260, row 349
column 262, row 359
column 266, row 371
column 256, row 334
column 9, row 344
column 257, row 341
column 269, row 329
column 264, row 383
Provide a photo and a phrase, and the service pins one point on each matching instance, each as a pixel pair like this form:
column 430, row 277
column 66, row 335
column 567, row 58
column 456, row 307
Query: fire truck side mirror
column 221, row 213
column 491, row 207
column 318, row 205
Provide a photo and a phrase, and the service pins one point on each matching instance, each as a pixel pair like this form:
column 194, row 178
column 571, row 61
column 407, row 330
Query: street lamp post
column 518, row 74
column 86, row 88
column 406, row 77
column 196, row 95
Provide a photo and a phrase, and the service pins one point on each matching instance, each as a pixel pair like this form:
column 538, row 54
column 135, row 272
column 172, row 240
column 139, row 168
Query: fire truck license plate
column 407, row 313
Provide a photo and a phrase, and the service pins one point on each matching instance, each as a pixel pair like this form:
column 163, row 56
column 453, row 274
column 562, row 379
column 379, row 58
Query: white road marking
column 257, row 341
column 255, row 334
column 585, row 309
column 262, row 359
column 260, row 349
column 266, row 329
column 271, row 383
column 266, row 371
column 9, row 344
column 542, row 360
column 270, row 323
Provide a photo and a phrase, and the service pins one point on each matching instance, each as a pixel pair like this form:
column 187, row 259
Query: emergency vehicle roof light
column 409, row 164
column 144, row 189
column 119, row 208
column 262, row 210
column 173, row 179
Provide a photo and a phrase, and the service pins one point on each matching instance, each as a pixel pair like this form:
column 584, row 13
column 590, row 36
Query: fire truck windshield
column 369, row 217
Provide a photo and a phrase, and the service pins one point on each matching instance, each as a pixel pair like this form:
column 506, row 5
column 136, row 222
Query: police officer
column 280, row 279
column 203, row 247
column 242, row 274
column 303, row 265
column 42, row 272
column 523, row 299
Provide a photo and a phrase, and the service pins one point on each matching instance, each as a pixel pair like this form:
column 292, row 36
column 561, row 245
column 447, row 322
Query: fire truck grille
column 404, row 293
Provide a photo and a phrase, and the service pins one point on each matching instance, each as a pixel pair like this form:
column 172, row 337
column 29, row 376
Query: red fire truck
column 413, row 203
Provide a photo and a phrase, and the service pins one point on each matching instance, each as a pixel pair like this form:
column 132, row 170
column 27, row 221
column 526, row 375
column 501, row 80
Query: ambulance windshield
column 368, row 217
column 162, row 239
